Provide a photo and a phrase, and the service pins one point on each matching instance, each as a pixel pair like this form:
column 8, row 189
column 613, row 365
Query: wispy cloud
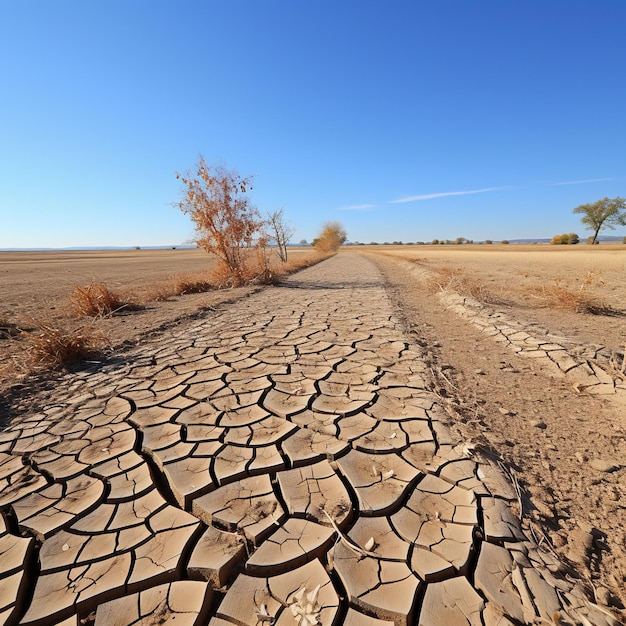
column 443, row 194
column 357, row 207
column 580, row 182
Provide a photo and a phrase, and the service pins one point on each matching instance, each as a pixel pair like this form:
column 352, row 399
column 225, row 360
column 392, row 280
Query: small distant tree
column 559, row 240
column 505, row 241
column 605, row 213
column 280, row 232
column 226, row 222
column 565, row 239
column 304, row 242
column 332, row 236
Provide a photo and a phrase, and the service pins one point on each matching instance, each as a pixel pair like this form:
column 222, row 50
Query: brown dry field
column 511, row 276
column 35, row 283
column 496, row 397
column 36, row 287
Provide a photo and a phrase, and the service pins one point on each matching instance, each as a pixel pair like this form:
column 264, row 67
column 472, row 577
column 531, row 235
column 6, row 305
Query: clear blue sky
column 404, row 120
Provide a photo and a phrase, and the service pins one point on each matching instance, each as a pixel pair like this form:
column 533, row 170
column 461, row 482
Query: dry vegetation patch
column 54, row 346
column 561, row 297
column 578, row 298
column 190, row 283
column 96, row 300
column 448, row 278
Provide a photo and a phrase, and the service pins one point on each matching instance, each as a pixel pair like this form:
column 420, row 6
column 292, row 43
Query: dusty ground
column 545, row 430
column 497, row 398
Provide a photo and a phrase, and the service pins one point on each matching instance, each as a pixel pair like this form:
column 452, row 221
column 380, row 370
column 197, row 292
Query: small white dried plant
column 305, row 607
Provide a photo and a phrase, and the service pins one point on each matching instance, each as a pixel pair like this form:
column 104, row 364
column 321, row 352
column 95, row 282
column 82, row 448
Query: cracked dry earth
column 284, row 461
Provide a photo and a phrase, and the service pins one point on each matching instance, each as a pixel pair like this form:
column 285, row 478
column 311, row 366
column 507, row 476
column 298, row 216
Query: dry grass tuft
column 559, row 295
column 448, row 278
column 187, row 283
column 51, row 346
column 96, row 300
column 224, row 278
column 157, row 293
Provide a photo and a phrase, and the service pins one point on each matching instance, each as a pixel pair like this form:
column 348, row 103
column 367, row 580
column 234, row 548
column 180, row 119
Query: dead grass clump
column 224, row 277
column 449, row 278
column 256, row 267
column 160, row 292
column 96, row 300
column 51, row 346
column 559, row 295
column 188, row 283
column 263, row 269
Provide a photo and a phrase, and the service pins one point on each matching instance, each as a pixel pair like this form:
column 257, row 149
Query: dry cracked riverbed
column 284, row 461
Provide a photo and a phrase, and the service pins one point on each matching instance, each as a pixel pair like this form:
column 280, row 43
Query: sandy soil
column 496, row 398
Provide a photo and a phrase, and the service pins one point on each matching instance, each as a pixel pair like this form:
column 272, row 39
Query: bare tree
column 226, row 222
column 280, row 231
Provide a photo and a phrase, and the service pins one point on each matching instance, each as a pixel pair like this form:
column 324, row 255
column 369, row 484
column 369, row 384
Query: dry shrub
column 224, row 277
column 255, row 267
column 96, row 300
column 454, row 279
column 161, row 292
column 560, row 297
column 187, row 283
column 263, row 268
column 578, row 300
column 51, row 346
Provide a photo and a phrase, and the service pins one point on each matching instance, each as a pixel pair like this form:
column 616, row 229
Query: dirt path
column 559, row 441
column 284, row 460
